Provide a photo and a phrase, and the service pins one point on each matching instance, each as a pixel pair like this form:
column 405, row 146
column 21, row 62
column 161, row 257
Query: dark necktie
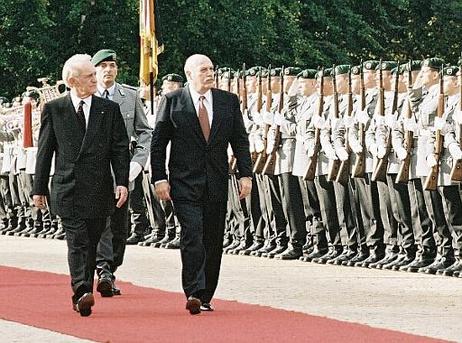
column 204, row 119
column 81, row 115
column 106, row 94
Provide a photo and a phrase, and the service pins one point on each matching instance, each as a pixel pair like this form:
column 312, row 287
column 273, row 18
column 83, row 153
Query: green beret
column 370, row 65
column 173, row 77
column 433, row 63
column 386, row 65
column 292, row 71
column 450, row 71
column 103, row 55
column 3, row 100
column 327, row 73
column 307, row 74
column 355, row 70
column 416, row 65
column 276, row 72
column 342, row 69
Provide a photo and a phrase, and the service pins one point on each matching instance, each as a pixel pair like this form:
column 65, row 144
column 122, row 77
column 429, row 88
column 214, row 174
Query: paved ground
column 414, row 303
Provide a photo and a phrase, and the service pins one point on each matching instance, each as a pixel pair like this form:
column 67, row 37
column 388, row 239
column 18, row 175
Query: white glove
column 342, row 153
column 362, row 117
column 442, row 125
column 279, row 119
column 349, row 122
column 401, row 153
column 268, row 118
column 373, row 149
column 258, row 118
column 455, row 151
column 391, row 120
column 356, row 147
column 318, row 122
column 381, row 151
column 310, row 151
column 335, row 123
column 457, row 116
column 259, row 147
column 135, row 169
column 410, row 125
column 330, row 153
column 431, row 161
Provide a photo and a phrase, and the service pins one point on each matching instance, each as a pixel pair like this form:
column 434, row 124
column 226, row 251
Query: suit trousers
column 201, row 246
column 389, row 217
column 254, row 207
column 311, row 207
column 346, row 214
column 82, row 236
column 111, row 247
column 138, row 208
column 328, row 206
column 453, row 207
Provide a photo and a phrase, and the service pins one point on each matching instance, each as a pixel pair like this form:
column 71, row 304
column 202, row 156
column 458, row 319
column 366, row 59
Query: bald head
column 199, row 72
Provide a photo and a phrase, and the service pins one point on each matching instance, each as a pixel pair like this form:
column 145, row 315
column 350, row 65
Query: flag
column 149, row 44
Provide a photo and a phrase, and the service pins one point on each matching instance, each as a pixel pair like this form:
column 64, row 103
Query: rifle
column 270, row 164
column 261, row 158
column 403, row 173
column 380, row 170
column 334, row 165
column 229, row 80
column 313, row 160
column 217, row 81
column 456, row 171
column 344, row 170
column 359, row 169
column 381, row 103
column 431, row 182
column 244, row 91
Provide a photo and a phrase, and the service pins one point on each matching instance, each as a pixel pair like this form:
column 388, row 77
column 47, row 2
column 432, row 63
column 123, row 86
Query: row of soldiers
column 353, row 165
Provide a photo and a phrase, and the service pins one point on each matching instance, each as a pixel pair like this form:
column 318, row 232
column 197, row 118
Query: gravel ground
column 414, row 303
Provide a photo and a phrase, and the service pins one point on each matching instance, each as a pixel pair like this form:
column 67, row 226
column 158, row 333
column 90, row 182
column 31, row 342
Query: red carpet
column 149, row 315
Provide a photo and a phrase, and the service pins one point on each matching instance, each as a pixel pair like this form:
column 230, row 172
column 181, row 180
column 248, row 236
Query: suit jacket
column 198, row 168
column 135, row 120
column 82, row 184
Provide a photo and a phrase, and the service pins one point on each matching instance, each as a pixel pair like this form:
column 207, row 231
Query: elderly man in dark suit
column 200, row 122
column 87, row 136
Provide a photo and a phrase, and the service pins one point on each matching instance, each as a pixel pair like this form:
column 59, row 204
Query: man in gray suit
column 111, row 248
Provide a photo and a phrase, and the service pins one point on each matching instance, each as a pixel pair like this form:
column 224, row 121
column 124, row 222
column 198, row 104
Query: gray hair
column 72, row 66
column 193, row 61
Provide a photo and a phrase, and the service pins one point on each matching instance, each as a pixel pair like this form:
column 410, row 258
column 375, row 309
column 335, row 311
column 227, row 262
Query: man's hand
column 163, row 190
column 40, row 201
column 121, row 193
column 245, row 186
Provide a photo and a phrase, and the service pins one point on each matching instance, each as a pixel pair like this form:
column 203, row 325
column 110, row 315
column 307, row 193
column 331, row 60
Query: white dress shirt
column 86, row 107
column 110, row 90
column 208, row 102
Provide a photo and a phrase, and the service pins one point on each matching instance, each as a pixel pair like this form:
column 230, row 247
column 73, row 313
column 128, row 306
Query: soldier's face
column 85, row 83
column 342, row 83
column 201, row 76
column 251, row 84
column 355, row 83
column 386, row 79
column 306, row 86
column 450, row 84
column 106, row 73
column 288, row 81
column 429, row 76
column 169, row 86
column 369, row 79
column 276, row 84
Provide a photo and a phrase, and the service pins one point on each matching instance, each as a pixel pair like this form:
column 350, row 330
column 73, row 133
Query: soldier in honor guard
column 306, row 107
column 111, row 248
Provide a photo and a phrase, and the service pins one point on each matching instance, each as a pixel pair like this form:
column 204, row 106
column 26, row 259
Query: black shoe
column 269, row 246
column 242, row 246
column 254, row 247
column 134, row 239
column 232, row 246
column 105, row 287
column 83, row 304
column 175, row 244
column 150, row 240
column 227, row 242
column 193, row 305
column 388, row 258
column 280, row 248
column 207, row 307
column 358, row 258
column 316, row 253
column 450, row 271
column 346, row 256
column 115, row 289
column 290, row 254
column 333, row 253
column 418, row 263
column 439, row 264
column 163, row 241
